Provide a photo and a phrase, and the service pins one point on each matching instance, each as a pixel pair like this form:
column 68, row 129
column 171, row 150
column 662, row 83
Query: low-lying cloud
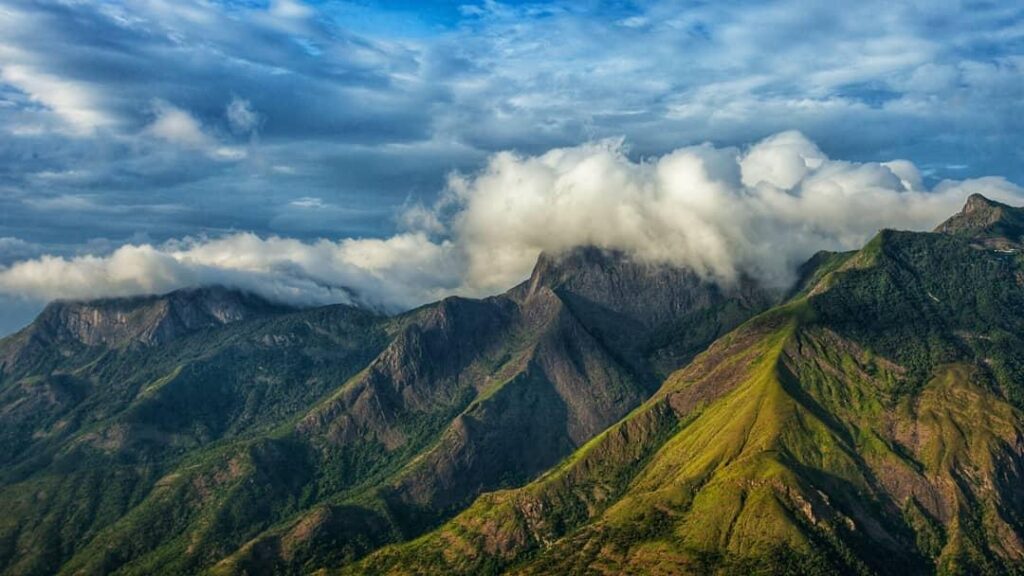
column 720, row 211
column 387, row 273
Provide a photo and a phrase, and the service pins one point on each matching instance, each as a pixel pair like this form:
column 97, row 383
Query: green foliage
column 929, row 299
column 127, row 417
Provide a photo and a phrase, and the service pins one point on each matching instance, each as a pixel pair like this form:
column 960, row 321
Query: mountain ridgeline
column 605, row 416
column 210, row 430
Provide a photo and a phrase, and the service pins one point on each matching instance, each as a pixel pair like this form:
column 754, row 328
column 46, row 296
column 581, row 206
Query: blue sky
column 145, row 121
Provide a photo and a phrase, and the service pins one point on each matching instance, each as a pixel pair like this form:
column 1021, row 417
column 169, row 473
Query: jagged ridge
column 267, row 444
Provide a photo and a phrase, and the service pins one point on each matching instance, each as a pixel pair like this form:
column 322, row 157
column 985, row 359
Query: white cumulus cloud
column 761, row 210
column 720, row 211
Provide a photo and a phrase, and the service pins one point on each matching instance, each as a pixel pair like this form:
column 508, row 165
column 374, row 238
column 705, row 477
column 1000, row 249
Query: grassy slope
column 871, row 426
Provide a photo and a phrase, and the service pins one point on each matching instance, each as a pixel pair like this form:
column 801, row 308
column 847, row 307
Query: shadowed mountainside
column 169, row 434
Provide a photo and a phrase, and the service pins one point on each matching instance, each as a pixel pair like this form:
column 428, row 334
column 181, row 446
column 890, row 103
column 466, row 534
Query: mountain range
column 606, row 416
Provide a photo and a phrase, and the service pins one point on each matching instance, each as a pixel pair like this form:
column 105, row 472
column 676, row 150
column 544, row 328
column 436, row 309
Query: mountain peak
column 977, row 202
column 654, row 308
column 553, row 270
column 648, row 292
column 147, row 320
column 992, row 223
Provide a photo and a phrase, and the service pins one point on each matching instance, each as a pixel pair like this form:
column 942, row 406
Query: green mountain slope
column 89, row 429
column 871, row 425
column 171, row 434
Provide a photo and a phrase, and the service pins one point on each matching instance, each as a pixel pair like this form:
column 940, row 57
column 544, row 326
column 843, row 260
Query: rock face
column 988, row 222
column 643, row 294
column 148, row 320
column 65, row 328
column 660, row 316
column 281, row 440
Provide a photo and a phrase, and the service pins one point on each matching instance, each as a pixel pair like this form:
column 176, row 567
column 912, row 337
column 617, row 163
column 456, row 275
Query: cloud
column 289, row 10
column 75, row 103
column 633, row 22
column 720, row 211
column 177, row 126
column 781, row 161
column 242, row 116
column 15, row 249
column 369, row 104
column 390, row 273
column 310, row 202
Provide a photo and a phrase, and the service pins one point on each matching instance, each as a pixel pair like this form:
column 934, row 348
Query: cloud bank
column 721, row 211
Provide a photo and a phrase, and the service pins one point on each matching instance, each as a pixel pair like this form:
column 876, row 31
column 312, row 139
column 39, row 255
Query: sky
column 402, row 151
